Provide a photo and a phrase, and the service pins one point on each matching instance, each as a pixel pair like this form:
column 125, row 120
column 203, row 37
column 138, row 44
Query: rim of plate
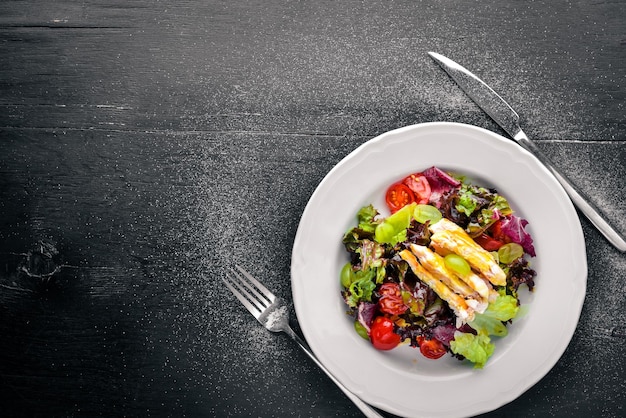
column 397, row 381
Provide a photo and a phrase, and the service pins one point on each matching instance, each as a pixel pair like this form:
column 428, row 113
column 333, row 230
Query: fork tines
column 250, row 292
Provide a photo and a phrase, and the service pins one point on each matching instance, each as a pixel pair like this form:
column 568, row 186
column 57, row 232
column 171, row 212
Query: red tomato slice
column 398, row 195
column 433, row 349
column 419, row 186
column 488, row 243
column 496, row 232
column 382, row 335
column 391, row 299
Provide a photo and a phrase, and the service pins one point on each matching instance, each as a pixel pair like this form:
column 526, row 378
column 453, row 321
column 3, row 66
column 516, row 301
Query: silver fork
column 272, row 313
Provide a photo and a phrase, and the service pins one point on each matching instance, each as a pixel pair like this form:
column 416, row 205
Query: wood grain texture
column 146, row 146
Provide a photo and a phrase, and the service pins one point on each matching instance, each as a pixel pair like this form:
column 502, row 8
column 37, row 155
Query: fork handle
column 367, row 410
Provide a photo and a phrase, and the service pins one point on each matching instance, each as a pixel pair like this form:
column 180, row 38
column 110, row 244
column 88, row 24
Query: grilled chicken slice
column 470, row 287
column 449, row 237
column 460, row 307
column 435, row 263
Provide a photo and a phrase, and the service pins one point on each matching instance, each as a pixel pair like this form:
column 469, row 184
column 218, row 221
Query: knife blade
column 504, row 115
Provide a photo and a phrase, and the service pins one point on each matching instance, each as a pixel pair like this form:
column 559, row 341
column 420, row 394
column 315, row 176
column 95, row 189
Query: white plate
column 402, row 381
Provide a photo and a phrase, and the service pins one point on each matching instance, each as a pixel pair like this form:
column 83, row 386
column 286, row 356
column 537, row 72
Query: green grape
column 346, row 275
column 361, row 330
column 423, row 213
column 458, row 264
column 510, row 252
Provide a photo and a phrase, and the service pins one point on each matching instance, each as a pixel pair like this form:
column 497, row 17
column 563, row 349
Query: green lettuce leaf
column 478, row 348
column 489, row 326
column 467, row 203
column 371, row 254
column 504, row 308
column 490, row 322
column 475, row 348
column 485, row 204
column 366, row 218
column 361, row 288
column 500, row 204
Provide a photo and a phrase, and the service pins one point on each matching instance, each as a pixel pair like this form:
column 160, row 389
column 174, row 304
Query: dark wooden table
column 145, row 146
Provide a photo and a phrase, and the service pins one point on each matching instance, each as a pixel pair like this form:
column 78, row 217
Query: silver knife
column 505, row 116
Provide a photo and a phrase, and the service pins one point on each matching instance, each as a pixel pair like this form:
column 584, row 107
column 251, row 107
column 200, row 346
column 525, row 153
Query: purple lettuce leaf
column 444, row 333
column 365, row 314
column 513, row 227
column 440, row 182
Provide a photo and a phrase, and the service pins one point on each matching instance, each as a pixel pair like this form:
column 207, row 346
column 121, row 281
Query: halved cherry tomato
column 382, row 335
column 488, row 243
column 398, row 195
column 432, row 349
column 419, row 186
column 391, row 299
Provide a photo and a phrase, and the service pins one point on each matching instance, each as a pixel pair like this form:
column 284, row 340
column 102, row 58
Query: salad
column 442, row 272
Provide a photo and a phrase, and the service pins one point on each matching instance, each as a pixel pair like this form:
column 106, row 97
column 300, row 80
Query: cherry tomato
column 432, row 349
column 419, row 186
column 391, row 299
column 488, row 243
column 398, row 195
column 382, row 335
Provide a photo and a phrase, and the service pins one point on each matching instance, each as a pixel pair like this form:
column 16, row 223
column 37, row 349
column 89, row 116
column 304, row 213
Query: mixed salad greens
column 442, row 272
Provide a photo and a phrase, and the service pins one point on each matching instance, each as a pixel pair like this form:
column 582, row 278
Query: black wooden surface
column 145, row 146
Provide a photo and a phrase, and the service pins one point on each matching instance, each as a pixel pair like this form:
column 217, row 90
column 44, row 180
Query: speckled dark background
column 146, row 146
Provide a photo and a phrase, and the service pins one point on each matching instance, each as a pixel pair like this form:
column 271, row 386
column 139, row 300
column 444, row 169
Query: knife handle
column 583, row 203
